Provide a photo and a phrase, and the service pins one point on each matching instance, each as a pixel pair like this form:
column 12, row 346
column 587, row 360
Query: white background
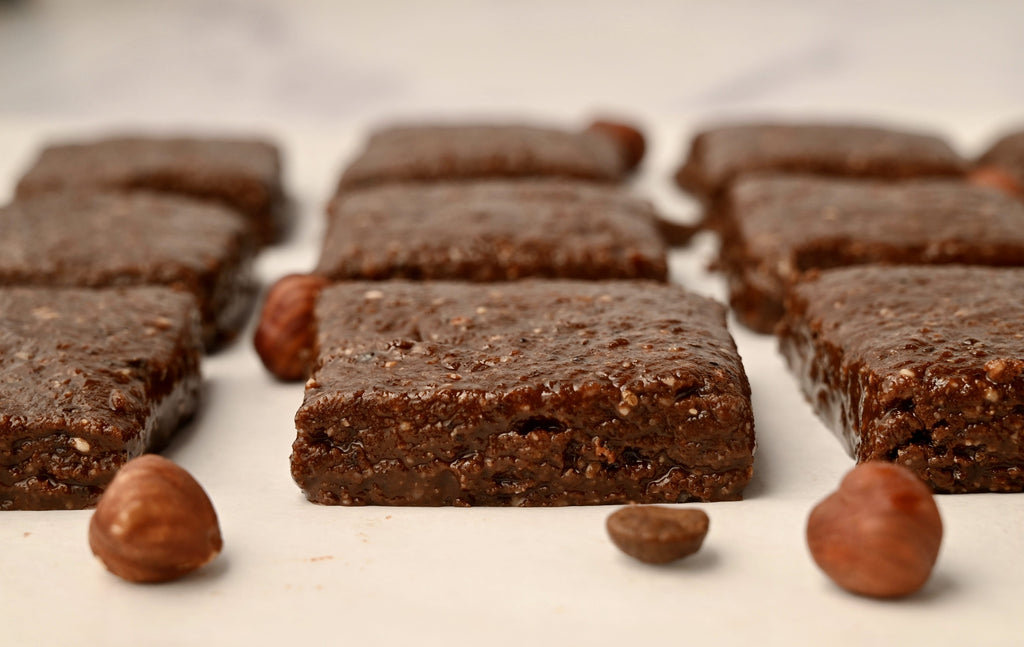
column 316, row 75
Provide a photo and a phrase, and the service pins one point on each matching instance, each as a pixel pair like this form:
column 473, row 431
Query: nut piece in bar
column 431, row 152
column 720, row 155
column 244, row 174
column 1002, row 165
column 89, row 378
column 114, row 239
column 921, row 366
column 492, row 231
column 777, row 227
column 530, row 393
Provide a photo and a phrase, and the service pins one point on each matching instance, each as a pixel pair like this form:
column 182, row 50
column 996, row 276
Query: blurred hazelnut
column 285, row 335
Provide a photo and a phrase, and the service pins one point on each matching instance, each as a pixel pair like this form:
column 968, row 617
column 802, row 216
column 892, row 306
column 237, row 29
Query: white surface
column 316, row 75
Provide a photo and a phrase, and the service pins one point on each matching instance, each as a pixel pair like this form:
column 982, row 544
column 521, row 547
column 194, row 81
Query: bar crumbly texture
column 244, row 174
column 720, row 155
column 922, row 366
column 112, row 239
column 492, row 231
column 776, row 227
column 530, row 393
column 479, row 151
column 88, row 380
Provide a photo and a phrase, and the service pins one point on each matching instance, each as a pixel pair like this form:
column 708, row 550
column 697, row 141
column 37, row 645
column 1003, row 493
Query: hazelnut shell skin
column 879, row 534
column 154, row 523
column 285, row 335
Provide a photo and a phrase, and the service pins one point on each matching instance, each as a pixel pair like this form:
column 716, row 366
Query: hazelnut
column 656, row 534
column 154, row 522
column 996, row 178
column 627, row 138
column 285, row 335
column 879, row 533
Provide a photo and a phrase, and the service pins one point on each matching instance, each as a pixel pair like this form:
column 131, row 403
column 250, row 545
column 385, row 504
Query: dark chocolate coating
column 492, row 231
column 463, row 152
column 530, row 393
column 244, row 174
column 719, row 155
column 923, row 366
column 89, row 379
column 112, row 239
column 777, row 227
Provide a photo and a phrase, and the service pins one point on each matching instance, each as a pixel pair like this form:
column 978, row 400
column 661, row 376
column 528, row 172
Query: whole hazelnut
column 879, row 533
column 154, row 522
column 629, row 140
column 656, row 534
column 285, row 335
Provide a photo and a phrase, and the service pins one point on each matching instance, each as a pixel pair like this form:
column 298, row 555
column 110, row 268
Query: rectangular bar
column 113, row 239
column 721, row 155
column 88, row 380
column 244, row 174
column 492, row 231
column 922, row 366
column 776, row 227
column 527, row 393
column 430, row 152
